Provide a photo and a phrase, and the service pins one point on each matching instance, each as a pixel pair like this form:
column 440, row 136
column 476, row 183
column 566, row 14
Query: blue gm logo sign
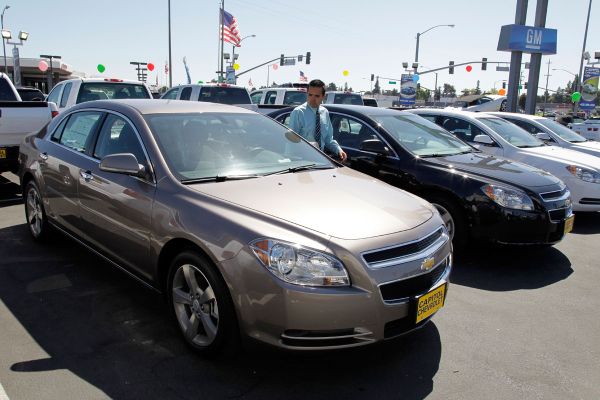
column 528, row 39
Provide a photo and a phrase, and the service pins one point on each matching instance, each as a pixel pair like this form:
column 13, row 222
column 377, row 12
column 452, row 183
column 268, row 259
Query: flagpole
column 170, row 69
column 268, row 68
column 222, row 28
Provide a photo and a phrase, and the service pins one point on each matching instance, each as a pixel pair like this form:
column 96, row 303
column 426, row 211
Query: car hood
column 338, row 202
column 589, row 145
column 566, row 156
column 500, row 169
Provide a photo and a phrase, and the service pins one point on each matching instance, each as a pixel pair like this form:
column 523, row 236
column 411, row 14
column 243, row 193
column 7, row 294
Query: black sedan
column 480, row 197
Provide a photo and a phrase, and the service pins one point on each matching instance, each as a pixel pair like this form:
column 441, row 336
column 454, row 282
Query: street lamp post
column 579, row 80
column 3, row 44
column 23, row 36
column 233, row 48
column 51, row 80
column 422, row 33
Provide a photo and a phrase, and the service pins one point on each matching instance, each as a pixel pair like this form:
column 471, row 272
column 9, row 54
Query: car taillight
column 54, row 113
column 113, row 80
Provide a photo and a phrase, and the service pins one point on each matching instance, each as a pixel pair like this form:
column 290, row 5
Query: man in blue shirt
column 311, row 121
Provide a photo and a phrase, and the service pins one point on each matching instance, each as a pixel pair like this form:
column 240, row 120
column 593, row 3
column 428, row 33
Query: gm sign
column 528, row 39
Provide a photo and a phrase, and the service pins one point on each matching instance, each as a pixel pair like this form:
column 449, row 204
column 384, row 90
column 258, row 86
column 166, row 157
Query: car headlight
column 508, row 197
column 299, row 265
column 585, row 175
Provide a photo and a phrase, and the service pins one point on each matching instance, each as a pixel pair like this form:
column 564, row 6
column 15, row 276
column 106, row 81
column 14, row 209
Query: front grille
column 554, row 195
column 588, row 200
column 559, row 215
column 402, row 250
column 414, row 286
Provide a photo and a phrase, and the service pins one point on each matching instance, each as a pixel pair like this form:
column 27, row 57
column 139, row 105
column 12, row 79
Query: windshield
column 224, row 95
column 562, row 131
column 511, row 133
column 111, row 90
column 294, row 98
column 206, row 145
column 348, row 98
column 420, row 136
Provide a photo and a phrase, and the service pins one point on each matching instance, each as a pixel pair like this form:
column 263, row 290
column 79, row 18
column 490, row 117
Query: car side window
column 118, row 136
column 270, row 97
column 460, row 128
column 431, row 118
column 171, row 94
column 349, row 132
column 55, row 94
column 186, row 92
column 255, row 97
column 79, row 130
column 525, row 125
column 284, row 119
column 58, row 131
column 65, row 94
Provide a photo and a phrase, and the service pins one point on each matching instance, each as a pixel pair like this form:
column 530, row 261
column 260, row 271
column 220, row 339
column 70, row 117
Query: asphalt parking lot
column 517, row 324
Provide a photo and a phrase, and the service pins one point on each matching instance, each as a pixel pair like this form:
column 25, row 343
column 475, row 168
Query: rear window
column 111, row 90
column 354, row 99
column 224, row 95
column 294, row 98
column 31, row 94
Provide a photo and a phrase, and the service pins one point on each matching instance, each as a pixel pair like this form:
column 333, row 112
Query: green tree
column 522, row 100
column 423, row 94
column 377, row 88
column 449, row 90
column 332, row 87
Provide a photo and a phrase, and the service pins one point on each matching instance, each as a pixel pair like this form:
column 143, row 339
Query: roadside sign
column 589, row 88
column 392, row 82
column 230, row 75
column 408, row 90
column 528, row 39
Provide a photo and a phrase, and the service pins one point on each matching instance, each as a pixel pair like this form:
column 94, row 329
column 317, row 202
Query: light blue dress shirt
column 302, row 121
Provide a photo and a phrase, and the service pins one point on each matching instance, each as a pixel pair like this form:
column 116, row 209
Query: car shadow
column 10, row 192
column 509, row 268
column 115, row 334
column 586, row 223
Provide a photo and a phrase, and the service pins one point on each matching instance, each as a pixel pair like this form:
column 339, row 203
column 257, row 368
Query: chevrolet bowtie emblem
column 427, row 264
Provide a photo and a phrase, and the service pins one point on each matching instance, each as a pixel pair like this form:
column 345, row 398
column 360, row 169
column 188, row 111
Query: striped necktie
column 318, row 128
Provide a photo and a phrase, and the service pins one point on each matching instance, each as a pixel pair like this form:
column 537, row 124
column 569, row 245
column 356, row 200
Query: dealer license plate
column 569, row 224
column 2, row 153
column 431, row 302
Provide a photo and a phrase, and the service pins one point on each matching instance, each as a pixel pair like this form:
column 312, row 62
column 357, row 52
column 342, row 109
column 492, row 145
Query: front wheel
column 202, row 305
column 34, row 212
column 453, row 220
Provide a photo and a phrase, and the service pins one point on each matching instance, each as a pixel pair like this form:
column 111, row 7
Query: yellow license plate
column 569, row 224
column 430, row 303
column 2, row 153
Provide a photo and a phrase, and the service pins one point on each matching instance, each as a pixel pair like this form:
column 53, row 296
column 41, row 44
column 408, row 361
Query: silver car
column 243, row 225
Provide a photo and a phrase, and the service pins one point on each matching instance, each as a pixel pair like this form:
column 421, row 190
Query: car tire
column 453, row 219
column 503, row 106
column 35, row 214
column 201, row 305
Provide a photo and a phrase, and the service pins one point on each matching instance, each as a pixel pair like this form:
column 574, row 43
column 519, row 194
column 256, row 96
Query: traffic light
column 372, row 77
column 282, row 60
column 483, row 64
column 307, row 58
column 503, row 85
column 451, row 69
column 418, row 86
column 525, row 85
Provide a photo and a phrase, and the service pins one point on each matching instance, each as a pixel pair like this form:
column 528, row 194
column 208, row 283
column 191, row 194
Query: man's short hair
column 317, row 83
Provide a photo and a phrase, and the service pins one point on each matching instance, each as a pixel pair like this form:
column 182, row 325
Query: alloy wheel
column 35, row 214
column 447, row 219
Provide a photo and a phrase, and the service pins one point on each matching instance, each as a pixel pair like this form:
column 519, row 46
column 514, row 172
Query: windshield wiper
column 300, row 168
column 528, row 146
column 219, row 178
column 438, row 155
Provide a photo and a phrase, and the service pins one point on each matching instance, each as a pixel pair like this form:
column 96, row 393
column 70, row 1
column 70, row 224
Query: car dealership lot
column 516, row 324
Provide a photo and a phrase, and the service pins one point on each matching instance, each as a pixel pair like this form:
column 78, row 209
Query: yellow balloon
column 236, row 66
column 346, row 72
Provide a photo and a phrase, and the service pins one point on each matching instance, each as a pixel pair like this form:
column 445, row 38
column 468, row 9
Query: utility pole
column 546, row 92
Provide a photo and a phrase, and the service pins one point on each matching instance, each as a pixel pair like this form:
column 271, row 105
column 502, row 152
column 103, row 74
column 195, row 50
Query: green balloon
column 200, row 82
column 101, row 68
column 575, row 97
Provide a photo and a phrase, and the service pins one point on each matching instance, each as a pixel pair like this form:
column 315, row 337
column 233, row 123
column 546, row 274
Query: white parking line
column 3, row 395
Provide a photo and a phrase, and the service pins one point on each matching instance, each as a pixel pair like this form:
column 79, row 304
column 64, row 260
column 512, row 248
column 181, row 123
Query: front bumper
column 315, row 318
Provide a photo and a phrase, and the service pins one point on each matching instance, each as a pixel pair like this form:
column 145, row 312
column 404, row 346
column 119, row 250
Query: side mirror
column 122, row 163
column 484, row 139
column 543, row 136
column 375, row 146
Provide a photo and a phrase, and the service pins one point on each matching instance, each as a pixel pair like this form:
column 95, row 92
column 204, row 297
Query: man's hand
column 343, row 155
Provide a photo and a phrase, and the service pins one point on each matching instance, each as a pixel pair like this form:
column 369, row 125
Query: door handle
column 44, row 156
column 87, row 175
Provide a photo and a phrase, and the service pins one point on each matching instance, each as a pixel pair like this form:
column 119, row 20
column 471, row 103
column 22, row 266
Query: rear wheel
column 34, row 212
column 202, row 305
column 503, row 105
column 453, row 220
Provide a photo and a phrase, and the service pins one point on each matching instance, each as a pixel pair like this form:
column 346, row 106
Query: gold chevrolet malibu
column 245, row 227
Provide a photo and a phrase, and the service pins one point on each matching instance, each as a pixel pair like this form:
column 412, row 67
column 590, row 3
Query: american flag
column 250, row 83
column 303, row 77
column 229, row 29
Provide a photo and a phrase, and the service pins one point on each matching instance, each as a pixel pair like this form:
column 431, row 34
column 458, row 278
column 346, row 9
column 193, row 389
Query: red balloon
column 469, row 68
column 150, row 67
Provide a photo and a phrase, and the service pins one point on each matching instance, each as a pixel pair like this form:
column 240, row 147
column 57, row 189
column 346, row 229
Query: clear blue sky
column 357, row 36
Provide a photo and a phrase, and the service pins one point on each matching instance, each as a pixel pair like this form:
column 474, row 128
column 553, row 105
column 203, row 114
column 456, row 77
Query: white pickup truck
column 589, row 129
column 19, row 119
